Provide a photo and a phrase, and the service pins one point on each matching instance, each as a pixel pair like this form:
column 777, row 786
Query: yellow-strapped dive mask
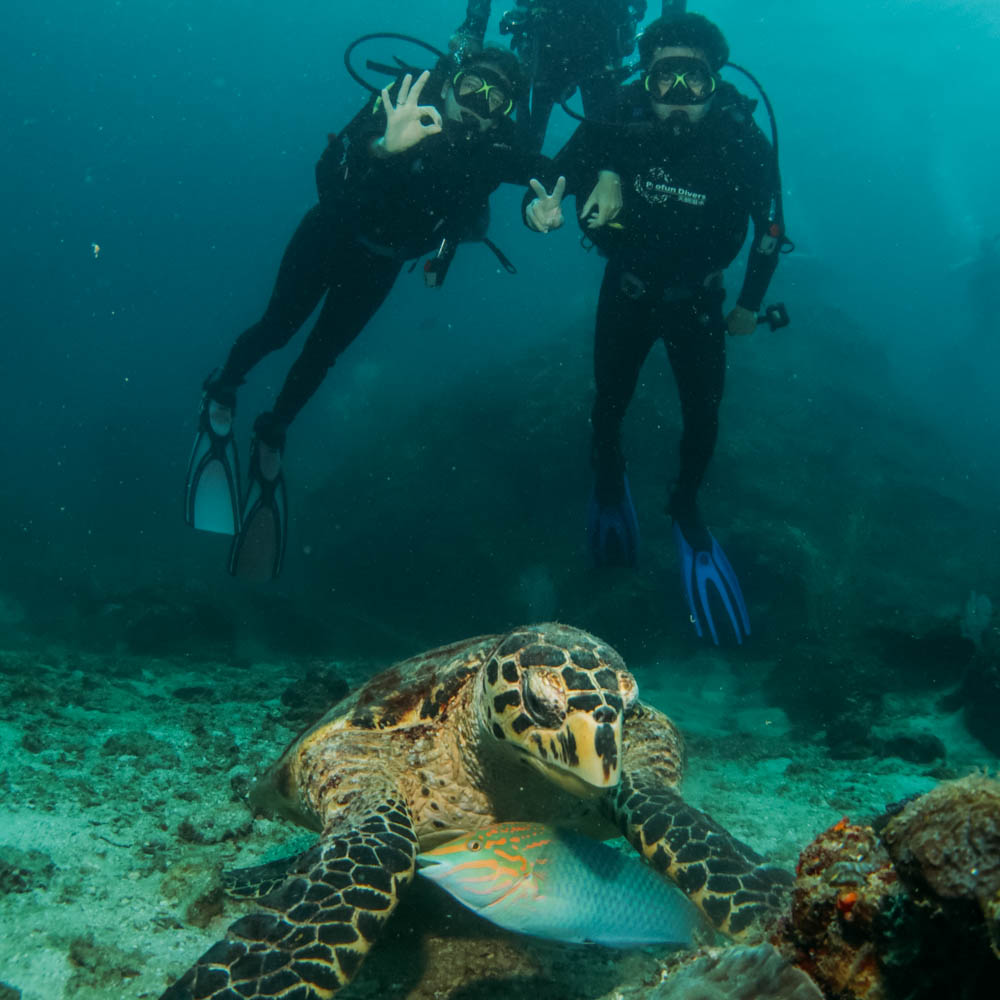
column 680, row 80
column 483, row 92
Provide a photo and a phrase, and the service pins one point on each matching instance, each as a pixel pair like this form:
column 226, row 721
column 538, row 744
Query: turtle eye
column 545, row 698
column 628, row 689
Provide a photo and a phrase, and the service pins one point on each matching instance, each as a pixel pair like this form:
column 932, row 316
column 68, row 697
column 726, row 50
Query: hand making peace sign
column 545, row 212
column 404, row 122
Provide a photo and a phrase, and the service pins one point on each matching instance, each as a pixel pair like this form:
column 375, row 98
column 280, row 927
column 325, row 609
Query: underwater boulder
column 906, row 907
column 948, row 842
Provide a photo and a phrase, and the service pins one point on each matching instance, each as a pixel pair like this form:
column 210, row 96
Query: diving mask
column 483, row 92
column 681, row 80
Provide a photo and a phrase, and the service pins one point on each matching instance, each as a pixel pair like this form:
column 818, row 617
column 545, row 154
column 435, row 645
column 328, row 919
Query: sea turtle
column 543, row 723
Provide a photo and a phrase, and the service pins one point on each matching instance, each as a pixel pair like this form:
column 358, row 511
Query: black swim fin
column 211, row 501
column 613, row 530
column 258, row 551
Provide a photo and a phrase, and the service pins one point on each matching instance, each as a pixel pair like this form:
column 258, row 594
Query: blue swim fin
column 212, row 496
column 706, row 570
column 258, row 551
column 613, row 531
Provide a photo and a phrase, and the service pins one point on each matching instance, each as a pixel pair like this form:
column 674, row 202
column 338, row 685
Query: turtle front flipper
column 322, row 920
column 262, row 880
column 729, row 882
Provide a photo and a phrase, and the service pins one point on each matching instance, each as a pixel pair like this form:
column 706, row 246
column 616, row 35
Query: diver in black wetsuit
column 564, row 44
column 672, row 190
column 402, row 179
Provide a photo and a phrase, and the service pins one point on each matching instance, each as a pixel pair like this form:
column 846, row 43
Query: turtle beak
column 584, row 755
column 598, row 746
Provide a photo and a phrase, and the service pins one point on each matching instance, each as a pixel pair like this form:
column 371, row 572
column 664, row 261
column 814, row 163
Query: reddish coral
column 845, row 904
column 844, row 876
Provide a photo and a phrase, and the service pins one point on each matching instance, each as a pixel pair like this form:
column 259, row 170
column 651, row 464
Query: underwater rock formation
column 909, row 907
column 844, row 881
column 741, row 973
column 947, row 843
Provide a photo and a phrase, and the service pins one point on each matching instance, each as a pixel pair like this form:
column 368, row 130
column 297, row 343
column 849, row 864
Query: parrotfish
column 557, row 884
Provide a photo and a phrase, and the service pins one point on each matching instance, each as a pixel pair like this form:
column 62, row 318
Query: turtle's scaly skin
column 542, row 724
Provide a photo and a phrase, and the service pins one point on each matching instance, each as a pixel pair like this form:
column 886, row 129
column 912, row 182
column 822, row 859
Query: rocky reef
column 906, row 907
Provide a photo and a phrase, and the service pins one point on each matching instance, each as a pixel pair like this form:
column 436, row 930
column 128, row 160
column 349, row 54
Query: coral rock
column 844, row 878
column 949, row 840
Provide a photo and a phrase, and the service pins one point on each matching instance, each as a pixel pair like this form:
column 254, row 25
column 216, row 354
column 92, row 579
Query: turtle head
column 557, row 697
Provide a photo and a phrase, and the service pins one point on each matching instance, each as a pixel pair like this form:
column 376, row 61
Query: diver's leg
column 213, row 491
column 302, row 280
column 622, row 339
column 358, row 282
column 696, row 345
column 359, row 286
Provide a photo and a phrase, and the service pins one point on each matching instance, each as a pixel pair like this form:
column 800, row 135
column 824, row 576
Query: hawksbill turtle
column 542, row 724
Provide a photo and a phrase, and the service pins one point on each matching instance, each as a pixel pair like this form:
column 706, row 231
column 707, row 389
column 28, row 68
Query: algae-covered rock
column 949, row 840
column 758, row 973
column 22, row 871
column 907, row 908
column 100, row 967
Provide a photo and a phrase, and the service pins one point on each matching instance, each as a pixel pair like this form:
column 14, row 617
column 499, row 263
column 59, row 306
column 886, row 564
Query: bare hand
column 545, row 212
column 740, row 322
column 405, row 123
column 605, row 201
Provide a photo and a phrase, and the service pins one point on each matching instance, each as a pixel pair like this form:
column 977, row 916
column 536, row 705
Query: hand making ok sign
column 405, row 123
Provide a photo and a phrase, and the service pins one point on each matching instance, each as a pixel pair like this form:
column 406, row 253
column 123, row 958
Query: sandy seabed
column 124, row 783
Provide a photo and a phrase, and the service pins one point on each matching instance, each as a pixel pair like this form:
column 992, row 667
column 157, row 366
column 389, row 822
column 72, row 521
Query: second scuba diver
column 401, row 180
column 564, row 44
column 680, row 169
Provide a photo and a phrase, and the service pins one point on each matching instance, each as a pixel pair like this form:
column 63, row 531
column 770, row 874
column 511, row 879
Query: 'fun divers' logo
column 657, row 187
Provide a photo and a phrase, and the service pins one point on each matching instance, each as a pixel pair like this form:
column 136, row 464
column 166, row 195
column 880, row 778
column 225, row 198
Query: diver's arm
column 519, row 165
column 763, row 258
column 361, row 135
column 472, row 30
column 574, row 166
column 761, row 265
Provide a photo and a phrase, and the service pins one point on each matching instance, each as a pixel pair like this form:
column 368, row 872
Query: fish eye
column 474, row 845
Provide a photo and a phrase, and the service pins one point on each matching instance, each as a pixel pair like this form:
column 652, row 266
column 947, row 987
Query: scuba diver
column 675, row 174
column 402, row 179
column 564, row 44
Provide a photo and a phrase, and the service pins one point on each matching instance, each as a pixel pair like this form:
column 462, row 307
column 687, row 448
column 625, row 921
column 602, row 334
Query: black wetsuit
column 565, row 44
column 374, row 213
column 687, row 201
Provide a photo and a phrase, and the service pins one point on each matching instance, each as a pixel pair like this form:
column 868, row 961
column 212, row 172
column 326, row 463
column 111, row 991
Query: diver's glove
column 707, row 575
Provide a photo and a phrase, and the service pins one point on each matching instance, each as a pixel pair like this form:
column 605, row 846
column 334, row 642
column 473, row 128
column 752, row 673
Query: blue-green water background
column 439, row 478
